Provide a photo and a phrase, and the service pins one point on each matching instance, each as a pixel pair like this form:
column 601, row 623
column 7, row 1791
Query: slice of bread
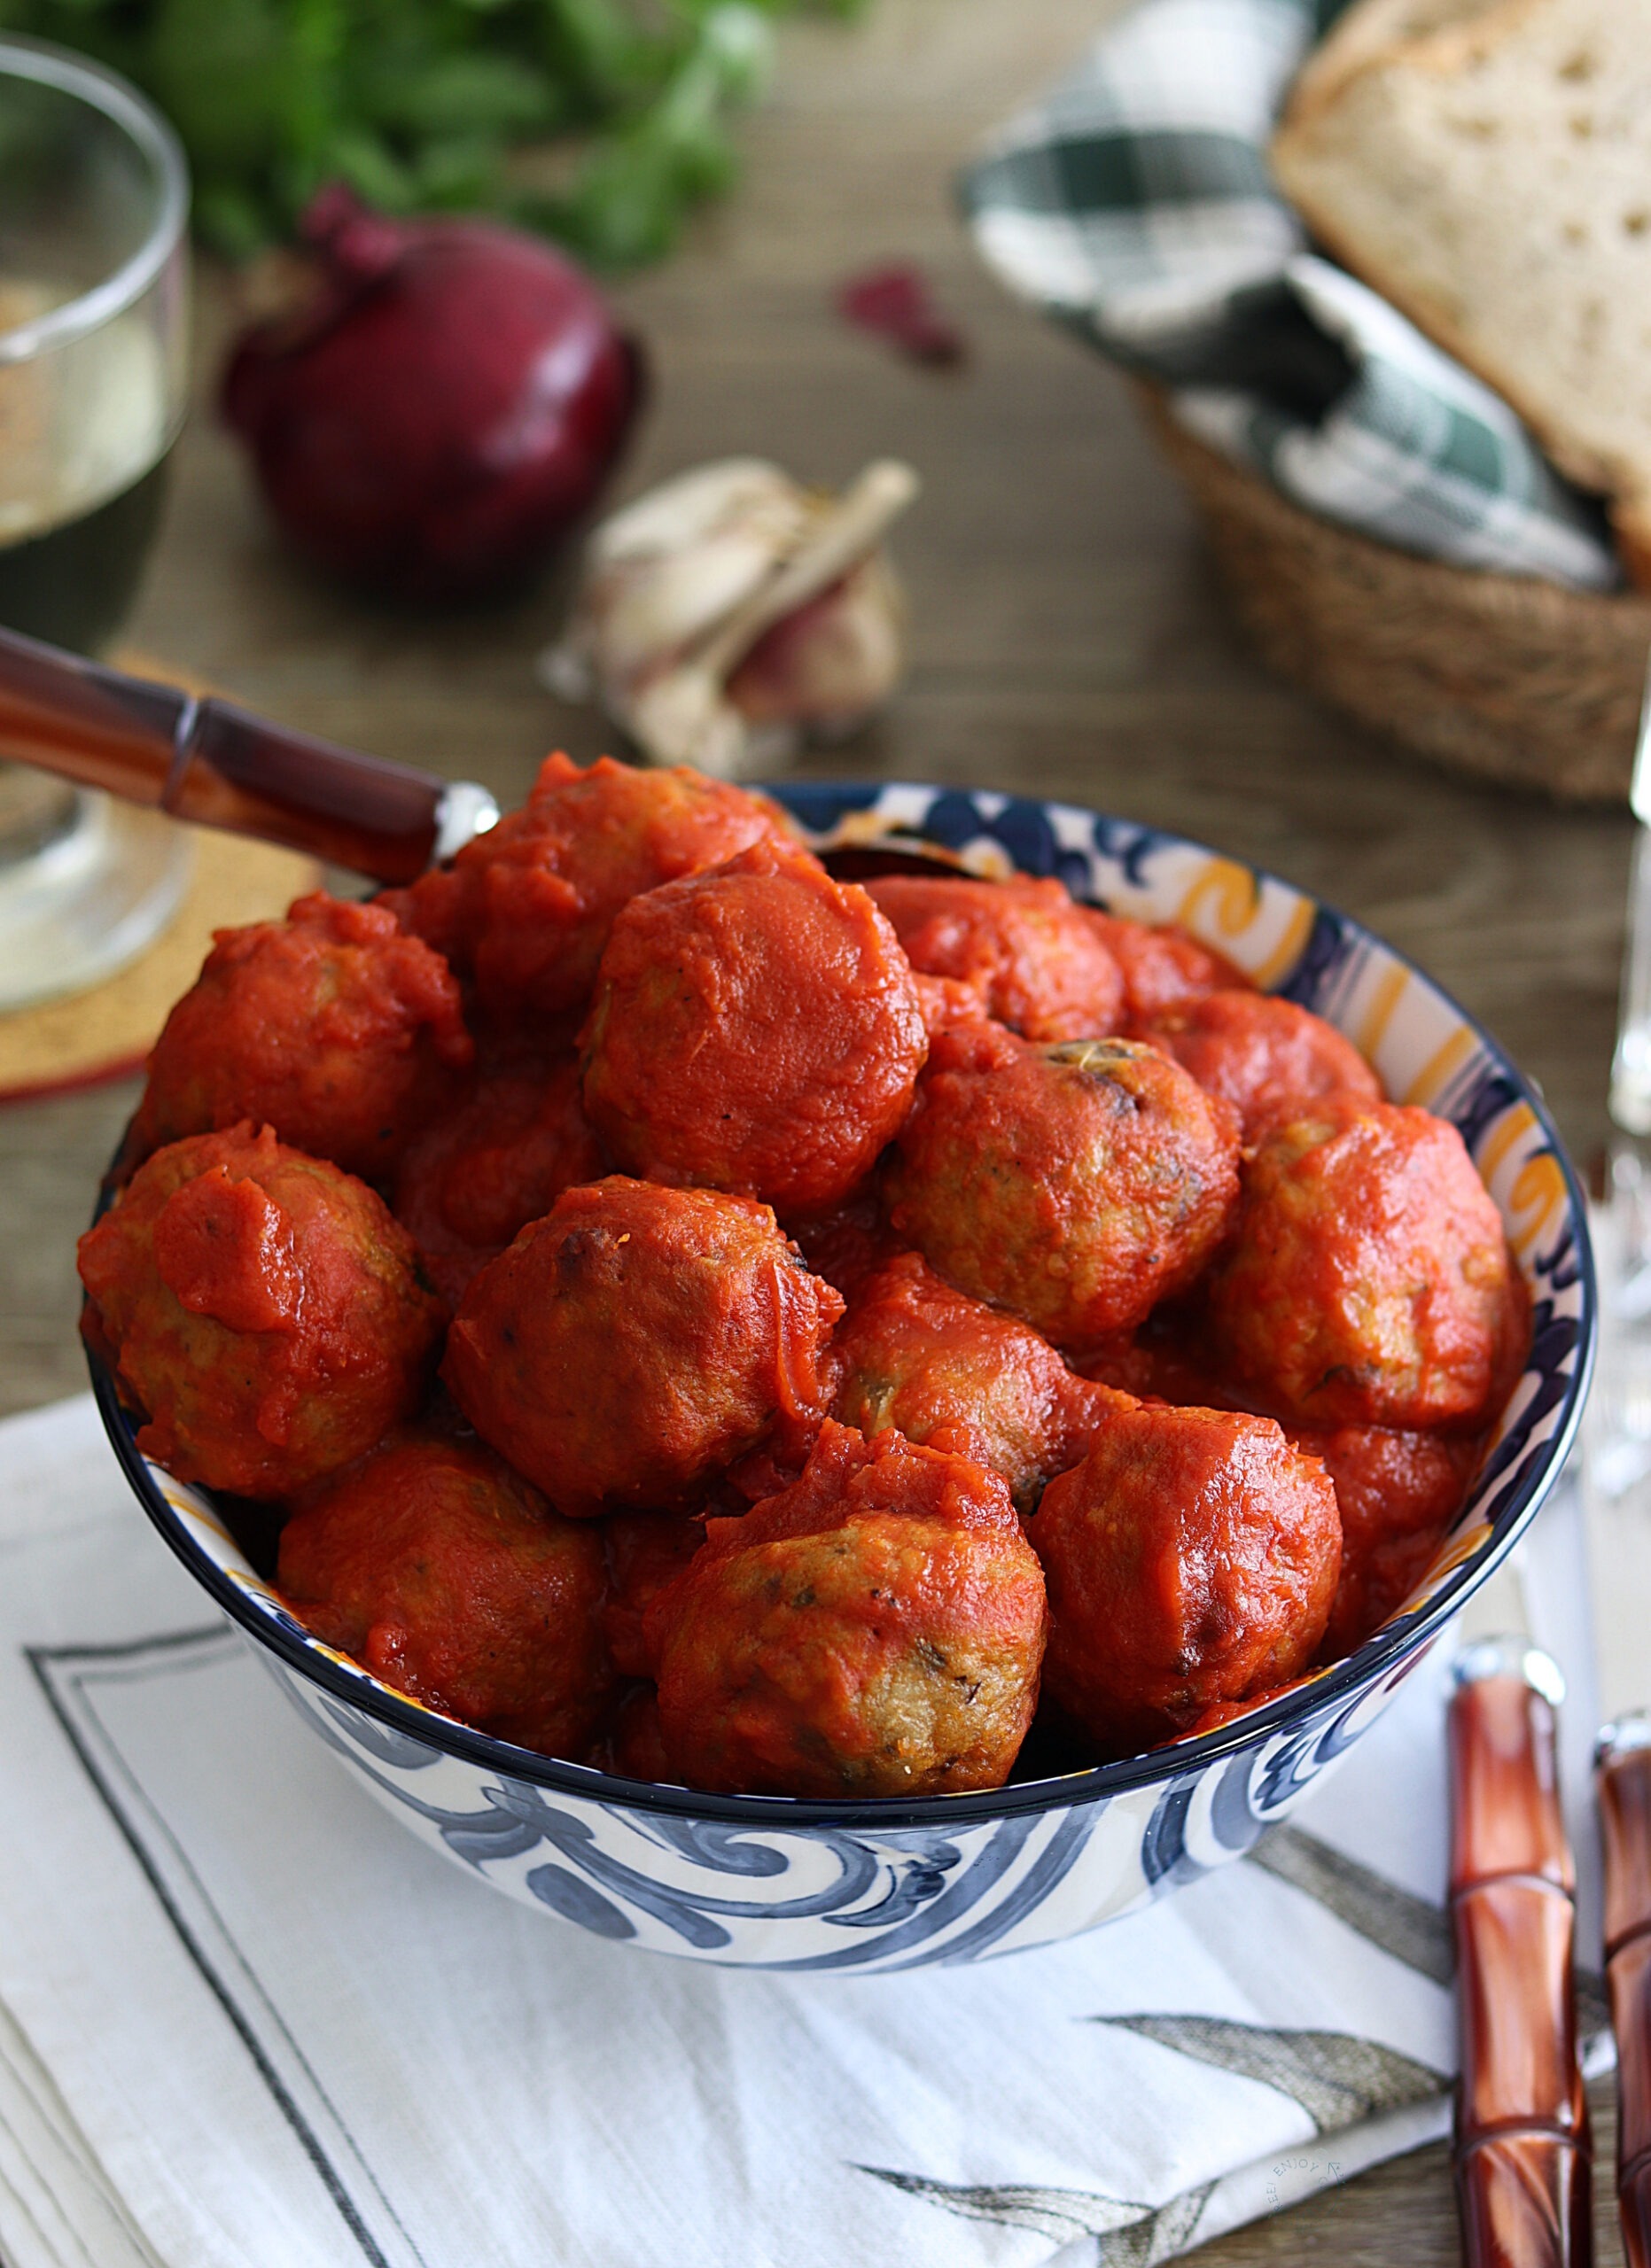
column 1492, row 178
column 1362, row 34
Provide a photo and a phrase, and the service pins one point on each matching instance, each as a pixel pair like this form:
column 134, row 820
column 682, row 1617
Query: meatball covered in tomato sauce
column 1368, row 1281
column 1160, row 967
column 915, row 1355
column 1398, row 1493
column 331, row 1026
column 441, row 1572
column 1191, row 1558
column 1266, row 1057
column 263, row 1309
column 633, row 1343
column 1022, row 948
column 755, row 1028
column 1076, row 1184
column 875, row 1630
column 475, row 1176
column 526, row 909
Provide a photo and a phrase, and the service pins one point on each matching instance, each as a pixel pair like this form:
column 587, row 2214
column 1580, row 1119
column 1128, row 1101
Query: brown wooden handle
column 218, row 766
column 1523, row 2147
column 1623, row 1761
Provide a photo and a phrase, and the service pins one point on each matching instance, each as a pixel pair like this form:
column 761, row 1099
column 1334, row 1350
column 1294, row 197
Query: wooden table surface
column 1066, row 642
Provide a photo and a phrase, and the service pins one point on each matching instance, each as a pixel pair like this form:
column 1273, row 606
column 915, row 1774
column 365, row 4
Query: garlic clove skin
column 668, row 604
column 732, row 600
column 693, row 505
column 831, row 663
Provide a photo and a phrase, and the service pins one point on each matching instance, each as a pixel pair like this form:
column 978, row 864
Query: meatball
column 944, row 1002
column 1369, row 1282
column 472, row 1180
column 447, row 1576
column 263, row 1309
column 938, row 1366
column 331, row 1026
column 1191, row 1560
column 1022, row 948
column 646, row 1551
column 526, row 909
column 1160, row 967
column 1266, row 1057
column 631, row 1344
column 1398, row 1493
column 780, row 1009
column 874, row 1630
column 1077, row 1184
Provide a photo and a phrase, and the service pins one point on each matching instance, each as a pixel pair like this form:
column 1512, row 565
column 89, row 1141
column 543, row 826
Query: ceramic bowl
column 771, row 1881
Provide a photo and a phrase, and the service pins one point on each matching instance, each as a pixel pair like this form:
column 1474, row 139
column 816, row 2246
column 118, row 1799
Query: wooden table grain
column 1067, row 640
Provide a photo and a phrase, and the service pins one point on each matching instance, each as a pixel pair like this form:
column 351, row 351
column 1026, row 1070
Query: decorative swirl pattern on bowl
column 772, row 1882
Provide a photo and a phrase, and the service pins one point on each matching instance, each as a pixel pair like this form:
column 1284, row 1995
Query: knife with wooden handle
column 1521, row 2148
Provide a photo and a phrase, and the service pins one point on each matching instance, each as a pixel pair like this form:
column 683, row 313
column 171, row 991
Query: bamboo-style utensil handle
column 1523, row 2150
column 209, row 761
column 1623, row 1767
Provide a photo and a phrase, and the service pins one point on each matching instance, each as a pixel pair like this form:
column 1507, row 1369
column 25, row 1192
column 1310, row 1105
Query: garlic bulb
column 731, row 609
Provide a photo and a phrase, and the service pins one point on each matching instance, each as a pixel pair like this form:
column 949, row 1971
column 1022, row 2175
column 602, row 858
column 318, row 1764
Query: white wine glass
column 94, row 301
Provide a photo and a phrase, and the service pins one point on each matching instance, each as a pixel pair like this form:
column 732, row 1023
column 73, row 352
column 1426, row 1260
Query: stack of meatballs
column 747, row 1328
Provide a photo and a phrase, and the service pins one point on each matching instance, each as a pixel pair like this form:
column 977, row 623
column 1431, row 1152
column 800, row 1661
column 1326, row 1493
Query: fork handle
column 1522, row 2148
column 1623, row 1767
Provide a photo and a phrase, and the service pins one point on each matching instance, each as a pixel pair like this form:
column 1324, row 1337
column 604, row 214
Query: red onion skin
column 443, row 411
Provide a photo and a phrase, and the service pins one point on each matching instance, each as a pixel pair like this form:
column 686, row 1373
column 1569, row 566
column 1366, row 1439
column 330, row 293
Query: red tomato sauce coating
column 875, row 1630
column 845, row 1242
column 1266, row 1058
column 646, row 1551
column 263, row 1309
column 526, row 909
column 1160, row 967
column 944, row 1002
column 1077, row 1184
column 756, row 1029
column 441, row 1572
column 1022, row 948
column 915, row 1356
column 1398, row 1493
column 630, row 1345
column 1191, row 1558
column 1368, row 1281
column 331, row 1026
column 481, row 1173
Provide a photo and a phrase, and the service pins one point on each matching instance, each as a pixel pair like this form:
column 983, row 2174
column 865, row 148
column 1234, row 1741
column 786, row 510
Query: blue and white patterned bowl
column 769, row 1882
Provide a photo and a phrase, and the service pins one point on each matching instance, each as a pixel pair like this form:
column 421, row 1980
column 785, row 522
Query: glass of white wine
column 94, row 305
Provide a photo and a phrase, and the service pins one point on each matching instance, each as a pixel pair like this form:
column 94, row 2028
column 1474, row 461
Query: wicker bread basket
column 1503, row 676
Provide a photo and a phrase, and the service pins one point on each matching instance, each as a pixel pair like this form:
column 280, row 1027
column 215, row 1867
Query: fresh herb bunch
column 419, row 104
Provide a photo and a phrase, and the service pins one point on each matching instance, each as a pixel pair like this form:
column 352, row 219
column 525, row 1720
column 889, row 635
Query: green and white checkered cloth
column 1133, row 204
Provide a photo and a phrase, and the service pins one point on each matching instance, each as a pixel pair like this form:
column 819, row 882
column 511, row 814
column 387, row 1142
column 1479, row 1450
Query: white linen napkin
column 246, row 2019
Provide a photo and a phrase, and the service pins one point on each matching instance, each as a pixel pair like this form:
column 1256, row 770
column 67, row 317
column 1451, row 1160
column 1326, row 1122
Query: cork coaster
column 105, row 1033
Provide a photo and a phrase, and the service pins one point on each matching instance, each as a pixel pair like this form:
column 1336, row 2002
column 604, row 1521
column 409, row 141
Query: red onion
column 441, row 407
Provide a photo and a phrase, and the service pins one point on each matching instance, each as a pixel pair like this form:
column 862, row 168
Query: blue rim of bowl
column 1180, row 1762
